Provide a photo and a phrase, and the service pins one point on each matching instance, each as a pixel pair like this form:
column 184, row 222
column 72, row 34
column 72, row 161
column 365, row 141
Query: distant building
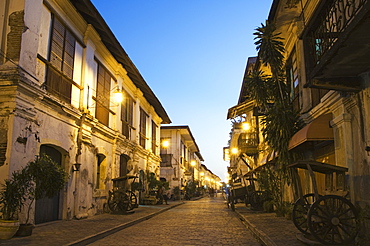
column 60, row 66
column 181, row 158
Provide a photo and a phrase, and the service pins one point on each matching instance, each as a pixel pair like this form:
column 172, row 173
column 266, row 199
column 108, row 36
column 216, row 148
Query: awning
column 318, row 130
column 318, row 166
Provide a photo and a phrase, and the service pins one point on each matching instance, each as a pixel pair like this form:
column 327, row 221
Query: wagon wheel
column 300, row 211
column 333, row 220
column 231, row 202
column 118, row 201
column 247, row 199
column 132, row 200
column 257, row 199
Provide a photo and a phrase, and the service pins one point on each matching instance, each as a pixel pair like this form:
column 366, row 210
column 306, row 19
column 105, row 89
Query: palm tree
column 271, row 95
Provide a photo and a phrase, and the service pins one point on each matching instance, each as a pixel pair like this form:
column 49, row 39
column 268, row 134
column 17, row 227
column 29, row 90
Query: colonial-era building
column 327, row 68
column 245, row 151
column 60, row 65
column 327, row 64
column 181, row 158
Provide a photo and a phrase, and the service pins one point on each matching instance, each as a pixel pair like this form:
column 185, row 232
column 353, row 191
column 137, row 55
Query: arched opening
column 48, row 209
column 99, row 171
column 123, row 165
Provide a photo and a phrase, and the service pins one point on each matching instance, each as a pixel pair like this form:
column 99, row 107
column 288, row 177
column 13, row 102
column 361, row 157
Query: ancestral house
column 181, row 158
column 326, row 50
column 60, row 66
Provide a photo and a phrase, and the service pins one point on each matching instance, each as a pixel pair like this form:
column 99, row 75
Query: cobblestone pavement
column 203, row 222
column 271, row 230
column 207, row 221
column 72, row 232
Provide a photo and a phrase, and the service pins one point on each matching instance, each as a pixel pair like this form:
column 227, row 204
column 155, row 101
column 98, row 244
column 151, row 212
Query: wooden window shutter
column 143, row 117
column 102, row 95
column 154, row 137
column 60, row 69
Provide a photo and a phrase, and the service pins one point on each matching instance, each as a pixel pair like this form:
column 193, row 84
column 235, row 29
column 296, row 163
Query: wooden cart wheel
column 231, row 202
column 247, row 199
column 257, row 199
column 132, row 200
column 118, row 201
column 300, row 211
column 333, row 220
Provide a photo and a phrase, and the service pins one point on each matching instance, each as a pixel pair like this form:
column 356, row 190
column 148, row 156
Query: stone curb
column 260, row 235
column 100, row 235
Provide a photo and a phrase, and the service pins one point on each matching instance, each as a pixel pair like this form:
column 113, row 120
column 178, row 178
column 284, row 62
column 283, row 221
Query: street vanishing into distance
column 207, row 221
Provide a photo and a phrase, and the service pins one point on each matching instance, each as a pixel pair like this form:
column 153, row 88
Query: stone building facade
column 60, row 66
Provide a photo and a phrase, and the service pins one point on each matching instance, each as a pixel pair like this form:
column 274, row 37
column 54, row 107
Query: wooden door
column 47, row 209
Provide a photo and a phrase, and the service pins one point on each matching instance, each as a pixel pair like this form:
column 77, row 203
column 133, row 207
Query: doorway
column 47, row 209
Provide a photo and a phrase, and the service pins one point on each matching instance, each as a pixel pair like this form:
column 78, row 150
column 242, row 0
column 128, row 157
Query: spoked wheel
column 300, row 212
column 231, row 202
column 118, row 201
column 333, row 220
column 257, row 199
column 132, row 200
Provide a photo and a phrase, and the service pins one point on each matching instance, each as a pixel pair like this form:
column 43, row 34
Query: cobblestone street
column 203, row 222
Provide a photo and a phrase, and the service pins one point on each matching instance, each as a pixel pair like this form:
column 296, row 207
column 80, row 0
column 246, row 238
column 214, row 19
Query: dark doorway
column 47, row 209
column 123, row 165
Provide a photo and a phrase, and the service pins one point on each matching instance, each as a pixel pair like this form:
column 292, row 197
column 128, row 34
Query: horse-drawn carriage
column 121, row 199
column 244, row 189
column 330, row 218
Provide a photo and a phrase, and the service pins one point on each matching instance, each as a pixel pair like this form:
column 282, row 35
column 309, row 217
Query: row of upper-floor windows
column 296, row 88
column 63, row 72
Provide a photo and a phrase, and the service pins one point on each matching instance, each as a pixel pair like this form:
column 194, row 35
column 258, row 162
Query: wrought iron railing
column 248, row 143
column 335, row 18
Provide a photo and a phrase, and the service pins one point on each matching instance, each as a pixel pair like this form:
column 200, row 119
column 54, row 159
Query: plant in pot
column 13, row 195
column 46, row 179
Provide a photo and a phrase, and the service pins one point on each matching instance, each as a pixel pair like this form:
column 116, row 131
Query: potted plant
column 12, row 197
column 46, row 179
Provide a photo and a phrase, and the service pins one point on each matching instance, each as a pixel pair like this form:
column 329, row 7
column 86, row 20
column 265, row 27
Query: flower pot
column 25, row 230
column 8, row 228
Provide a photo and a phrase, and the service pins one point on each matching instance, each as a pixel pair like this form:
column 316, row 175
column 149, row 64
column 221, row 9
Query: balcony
column 248, row 143
column 336, row 44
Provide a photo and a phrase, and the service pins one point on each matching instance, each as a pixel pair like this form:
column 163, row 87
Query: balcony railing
column 335, row 43
column 248, row 143
column 335, row 19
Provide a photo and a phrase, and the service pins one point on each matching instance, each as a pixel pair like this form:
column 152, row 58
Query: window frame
column 103, row 93
column 62, row 48
column 292, row 75
column 154, row 137
column 143, row 128
column 127, row 114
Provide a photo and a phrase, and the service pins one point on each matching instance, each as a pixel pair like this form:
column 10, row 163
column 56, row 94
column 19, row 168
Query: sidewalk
column 268, row 228
column 82, row 232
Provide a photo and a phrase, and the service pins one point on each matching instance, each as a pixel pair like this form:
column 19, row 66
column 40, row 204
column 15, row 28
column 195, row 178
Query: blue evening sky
column 192, row 54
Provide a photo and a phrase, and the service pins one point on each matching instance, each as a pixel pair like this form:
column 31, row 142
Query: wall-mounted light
column 76, row 167
column 246, row 126
column 193, row 163
column 234, row 151
column 165, row 143
column 117, row 95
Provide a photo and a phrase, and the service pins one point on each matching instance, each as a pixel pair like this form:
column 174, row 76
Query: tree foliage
column 272, row 97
